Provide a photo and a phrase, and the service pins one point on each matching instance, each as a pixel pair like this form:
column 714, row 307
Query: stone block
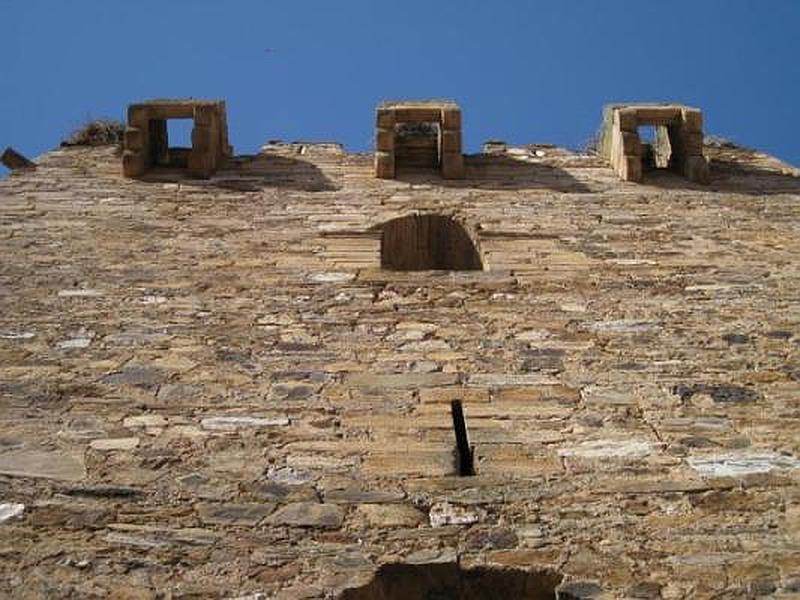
column 384, row 165
column 451, row 118
column 138, row 115
column 385, row 118
column 692, row 143
column 202, row 138
column 451, row 141
column 133, row 164
column 631, row 168
column 631, row 144
column 696, row 169
column 384, row 140
column 14, row 160
column 452, row 165
column 692, row 120
column 657, row 115
column 416, row 114
column 625, row 119
column 134, row 139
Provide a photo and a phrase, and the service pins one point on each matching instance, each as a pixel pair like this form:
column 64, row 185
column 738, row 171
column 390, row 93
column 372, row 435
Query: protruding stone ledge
column 14, row 160
column 678, row 144
column 394, row 145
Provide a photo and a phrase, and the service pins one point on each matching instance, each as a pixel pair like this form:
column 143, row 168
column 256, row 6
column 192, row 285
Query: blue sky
column 522, row 71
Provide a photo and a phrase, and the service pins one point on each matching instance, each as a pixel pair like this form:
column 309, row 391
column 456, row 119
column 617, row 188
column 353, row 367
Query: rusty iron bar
column 466, row 453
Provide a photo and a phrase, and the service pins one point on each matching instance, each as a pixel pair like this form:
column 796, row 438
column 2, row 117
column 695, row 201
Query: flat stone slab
column 737, row 464
column 234, row 514
column 309, row 514
column 237, row 423
column 10, row 510
column 47, row 465
column 126, row 443
column 599, row 449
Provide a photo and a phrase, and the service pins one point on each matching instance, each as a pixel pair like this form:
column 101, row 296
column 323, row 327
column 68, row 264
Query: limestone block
column 418, row 114
column 452, row 165
column 696, row 169
column 626, row 119
column 133, row 164
column 384, row 140
column 384, row 165
column 200, row 165
column 451, row 118
column 14, row 160
column 657, row 115
column 631, row 168
column 631, row 144
column 204, row 115
column 692, row 143
column 385, row 118
column 138, row 116
column 134, row 138
column 201, row 138
column 451, row 141
column 692, row 120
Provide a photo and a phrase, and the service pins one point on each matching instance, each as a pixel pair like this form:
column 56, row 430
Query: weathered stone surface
column 49, row 465
column 627, row 362
column 387, row 515
column 14, row 160
column 10, row 510
column 126, row 443
column 234, row 514
column 445, row 513
column 235, row 423
column 736, row 464
column 309, row 514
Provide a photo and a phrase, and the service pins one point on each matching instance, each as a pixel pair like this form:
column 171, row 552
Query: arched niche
column 428, row 242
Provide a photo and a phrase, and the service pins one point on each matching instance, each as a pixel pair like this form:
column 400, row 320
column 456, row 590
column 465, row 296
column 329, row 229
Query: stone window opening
column 147, row 137
column 428, row 242
column 178, row 142
column 451, row 581
column 677, row 140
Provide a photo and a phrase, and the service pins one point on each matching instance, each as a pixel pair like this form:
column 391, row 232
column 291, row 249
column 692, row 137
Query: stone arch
column 428, row 242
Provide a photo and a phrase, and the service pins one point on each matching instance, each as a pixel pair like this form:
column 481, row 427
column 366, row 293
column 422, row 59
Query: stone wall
column 212, row 389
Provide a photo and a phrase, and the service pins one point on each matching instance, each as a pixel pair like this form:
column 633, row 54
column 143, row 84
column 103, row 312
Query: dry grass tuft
column 99, row 132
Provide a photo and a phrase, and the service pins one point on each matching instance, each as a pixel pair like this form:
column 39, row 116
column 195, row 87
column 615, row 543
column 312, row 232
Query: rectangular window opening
column 179, row 141
column 656, row 146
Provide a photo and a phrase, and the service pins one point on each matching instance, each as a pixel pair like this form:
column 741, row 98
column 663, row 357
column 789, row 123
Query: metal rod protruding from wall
column 466, row 464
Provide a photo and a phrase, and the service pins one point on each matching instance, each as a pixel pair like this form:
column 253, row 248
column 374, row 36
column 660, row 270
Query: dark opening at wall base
column 448, row 581
column 428, row 242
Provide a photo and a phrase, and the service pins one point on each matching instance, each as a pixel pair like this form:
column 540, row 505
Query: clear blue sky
column 523, row 70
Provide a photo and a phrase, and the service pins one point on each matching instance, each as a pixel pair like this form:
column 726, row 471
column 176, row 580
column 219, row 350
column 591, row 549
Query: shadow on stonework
column 252, row 173
column 498, row 172
column 734, row 170
column 448, row 581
